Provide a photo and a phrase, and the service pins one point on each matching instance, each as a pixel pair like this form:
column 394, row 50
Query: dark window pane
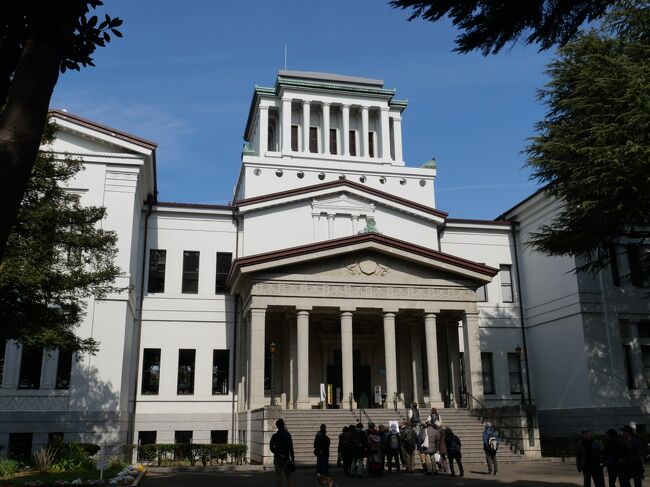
column 513, row 373
column 629, row 375
column 147, row 437
column 150, row 371
column 219, row 437
column 270, row 140
column 333, row 144
column 30, row 368
column 644, row 329
column 645, row 357
column 220, row 371
column 224, row 261
column 190, row 272
column 634, row 261
column 613, row 264
column 3, row 346
column 294, row 138
column 157, row 259
column 488, row 376
column 353, row 142
column 313, row 139
column 64, row 369
column 371, row 144
column 20, row 447
column 183, row 437
column 185, row 383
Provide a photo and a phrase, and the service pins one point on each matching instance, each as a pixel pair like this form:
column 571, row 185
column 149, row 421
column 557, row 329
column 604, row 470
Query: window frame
column 191, row 373
column 186, row 278
column 221, row 277
column 149, row 391
column 517, row 372
column 490, row 373
column 334, row 139
column 215, row 392
column 372, row 145
column 63, row 375
column 38, row 375
column 507, row 270
column 295, row 137
column 352, row 142
column 313, row 140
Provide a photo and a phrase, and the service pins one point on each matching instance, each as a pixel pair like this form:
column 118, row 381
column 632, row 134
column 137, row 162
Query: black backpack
column 454, row 445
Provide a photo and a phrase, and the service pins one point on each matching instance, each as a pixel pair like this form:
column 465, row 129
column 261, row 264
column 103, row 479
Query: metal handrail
column 360, row 409
column 482, row 414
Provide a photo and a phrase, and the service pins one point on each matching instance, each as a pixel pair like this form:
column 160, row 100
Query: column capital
column 306, row 102
column 258, row 310
column 302, row 312
column 430, row 315
column 389, row 314
column 263, row 107
column 345, row 105
column 287, row 99
column 365, row 107
column 384, row 109
column 346, row 314
column 326, row 103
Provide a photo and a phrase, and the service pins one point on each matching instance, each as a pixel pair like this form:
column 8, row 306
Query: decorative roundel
column 342, row 177
column 279, row 173
column 382, row 180
column 402, row 182
column 257, row 171
column 362, row 179
column 423, row 183
column 321, row 175
column 300, row 174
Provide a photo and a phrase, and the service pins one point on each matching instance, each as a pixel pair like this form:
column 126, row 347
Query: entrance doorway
column 362, row 386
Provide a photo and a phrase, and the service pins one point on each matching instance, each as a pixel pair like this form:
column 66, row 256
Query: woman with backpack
column 375, row 465
column 453, row 451
column 393, row 447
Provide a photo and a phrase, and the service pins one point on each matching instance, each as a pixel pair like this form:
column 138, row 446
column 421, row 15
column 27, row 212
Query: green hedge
column 208, row 454
column 564, row 446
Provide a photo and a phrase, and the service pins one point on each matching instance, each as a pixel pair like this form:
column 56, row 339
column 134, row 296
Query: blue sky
column 183, row 76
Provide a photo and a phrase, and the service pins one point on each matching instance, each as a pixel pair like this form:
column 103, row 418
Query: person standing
column 614, row 457
column 433, row 436
column 283, row 457
column 394, row 445
column 434, row 416
column 346, row 449
column 589, row 457
column 414, row 417
column 490, row 446
column 423, row 445
column 453, row 452
column 375, row 465
column 634, row 449
column 409, row 440
column 322, row 452
column 443, row 446
column 357, row 450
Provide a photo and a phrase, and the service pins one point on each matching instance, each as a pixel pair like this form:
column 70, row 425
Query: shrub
column 74, row 456
column 44, row 459
column 8, row 467
column 205, row 453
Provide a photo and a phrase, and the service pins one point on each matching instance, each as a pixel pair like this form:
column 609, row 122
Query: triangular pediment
column 342, row 203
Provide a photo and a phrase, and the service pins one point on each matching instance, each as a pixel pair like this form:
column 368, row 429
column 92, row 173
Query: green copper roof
column 398, row 103
column 264, row 90
column 430, row 164
column 333, row 86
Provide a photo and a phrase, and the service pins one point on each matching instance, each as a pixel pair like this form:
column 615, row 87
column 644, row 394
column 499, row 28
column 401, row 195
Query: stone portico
column 355, row 313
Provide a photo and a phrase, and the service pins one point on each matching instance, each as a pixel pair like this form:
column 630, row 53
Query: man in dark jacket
column 589, row 460
column 282, row 448
column 490, row 445
column 322, row 451
column 634, row 456
column 453, row 451
column 359, row 445
column 614, row 457
column 409, row 442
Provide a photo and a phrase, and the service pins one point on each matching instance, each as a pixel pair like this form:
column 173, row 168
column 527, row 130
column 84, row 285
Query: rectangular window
column 220, row 371
column 219, row 437
column 183, row 437
column 505, row 274
column 270, row 139
column 481, row 294
column 147, row 437
column 190, row 272
column 514, row 376
column 224, row 261
column 20, row 447
column 333, row 142
column 644, row 329
column 3, row 346
column 150, row 371
column 313, row 139
column 30, row 368
column 624, row 328
column 488, row 373
column 353, row 142
column 294, row 138
column 64, row 369
column 186, row 358
column 645, row 354
column 629, row 375
column 638, row 259
column 371, row 144
column 613, row 264
column 157, row 259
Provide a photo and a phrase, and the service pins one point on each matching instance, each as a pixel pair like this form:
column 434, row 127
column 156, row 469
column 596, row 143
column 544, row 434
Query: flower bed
column 127, row 476
column 181, row 454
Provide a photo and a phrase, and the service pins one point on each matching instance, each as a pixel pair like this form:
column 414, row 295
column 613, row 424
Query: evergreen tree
column 56, row 257
column 593, row 147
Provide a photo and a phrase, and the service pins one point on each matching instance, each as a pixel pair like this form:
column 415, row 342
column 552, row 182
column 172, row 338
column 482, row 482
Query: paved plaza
column 538, row 474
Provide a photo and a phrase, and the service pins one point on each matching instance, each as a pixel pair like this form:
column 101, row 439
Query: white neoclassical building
column 330, row 280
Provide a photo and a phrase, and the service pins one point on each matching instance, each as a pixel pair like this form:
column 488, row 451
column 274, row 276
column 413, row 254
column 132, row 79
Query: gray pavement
column 528, row 474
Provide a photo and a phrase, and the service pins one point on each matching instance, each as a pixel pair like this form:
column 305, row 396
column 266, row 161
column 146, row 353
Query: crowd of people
column 379, row 449
column 622, row 454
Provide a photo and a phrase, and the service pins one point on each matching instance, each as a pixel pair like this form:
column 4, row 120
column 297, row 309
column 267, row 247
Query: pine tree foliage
column 593, row 147
column 57, row 256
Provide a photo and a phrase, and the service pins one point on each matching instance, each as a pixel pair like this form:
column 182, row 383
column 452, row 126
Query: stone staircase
column 303, row 425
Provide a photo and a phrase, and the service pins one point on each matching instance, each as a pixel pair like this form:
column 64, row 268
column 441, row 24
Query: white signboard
column 377, row 394
column 323, row 393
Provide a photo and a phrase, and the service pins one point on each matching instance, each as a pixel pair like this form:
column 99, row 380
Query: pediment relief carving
column 367, row 267
column 342, row 204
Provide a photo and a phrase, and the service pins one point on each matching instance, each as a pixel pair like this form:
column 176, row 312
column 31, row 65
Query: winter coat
column 321, row 444
column 487, row 434
column 409, row 439
column 434, row 440
column 589, row 455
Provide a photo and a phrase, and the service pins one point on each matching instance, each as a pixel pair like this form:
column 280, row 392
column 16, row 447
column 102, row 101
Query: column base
column 303, row 404
column 440, row 404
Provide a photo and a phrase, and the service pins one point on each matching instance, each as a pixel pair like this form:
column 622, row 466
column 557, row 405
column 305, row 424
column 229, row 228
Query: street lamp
column 518, row 351
column 273, row 349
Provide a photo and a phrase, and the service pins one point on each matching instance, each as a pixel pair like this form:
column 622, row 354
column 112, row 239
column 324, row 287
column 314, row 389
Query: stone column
column 325, row 133
column 364, row 132
column 330, row 225
column 636, row 357
column 286, row 125
column 256, row 357
column 346, row 356
column 263, row 128
column 293, row 373
column 454, row 357
column 390, row 357
column 302, row 401
column 345, row 123
column 416, row 362
column 306, row 122
column 431, row 337
column 397, row 135
column 472, row 355
column 385, row 134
